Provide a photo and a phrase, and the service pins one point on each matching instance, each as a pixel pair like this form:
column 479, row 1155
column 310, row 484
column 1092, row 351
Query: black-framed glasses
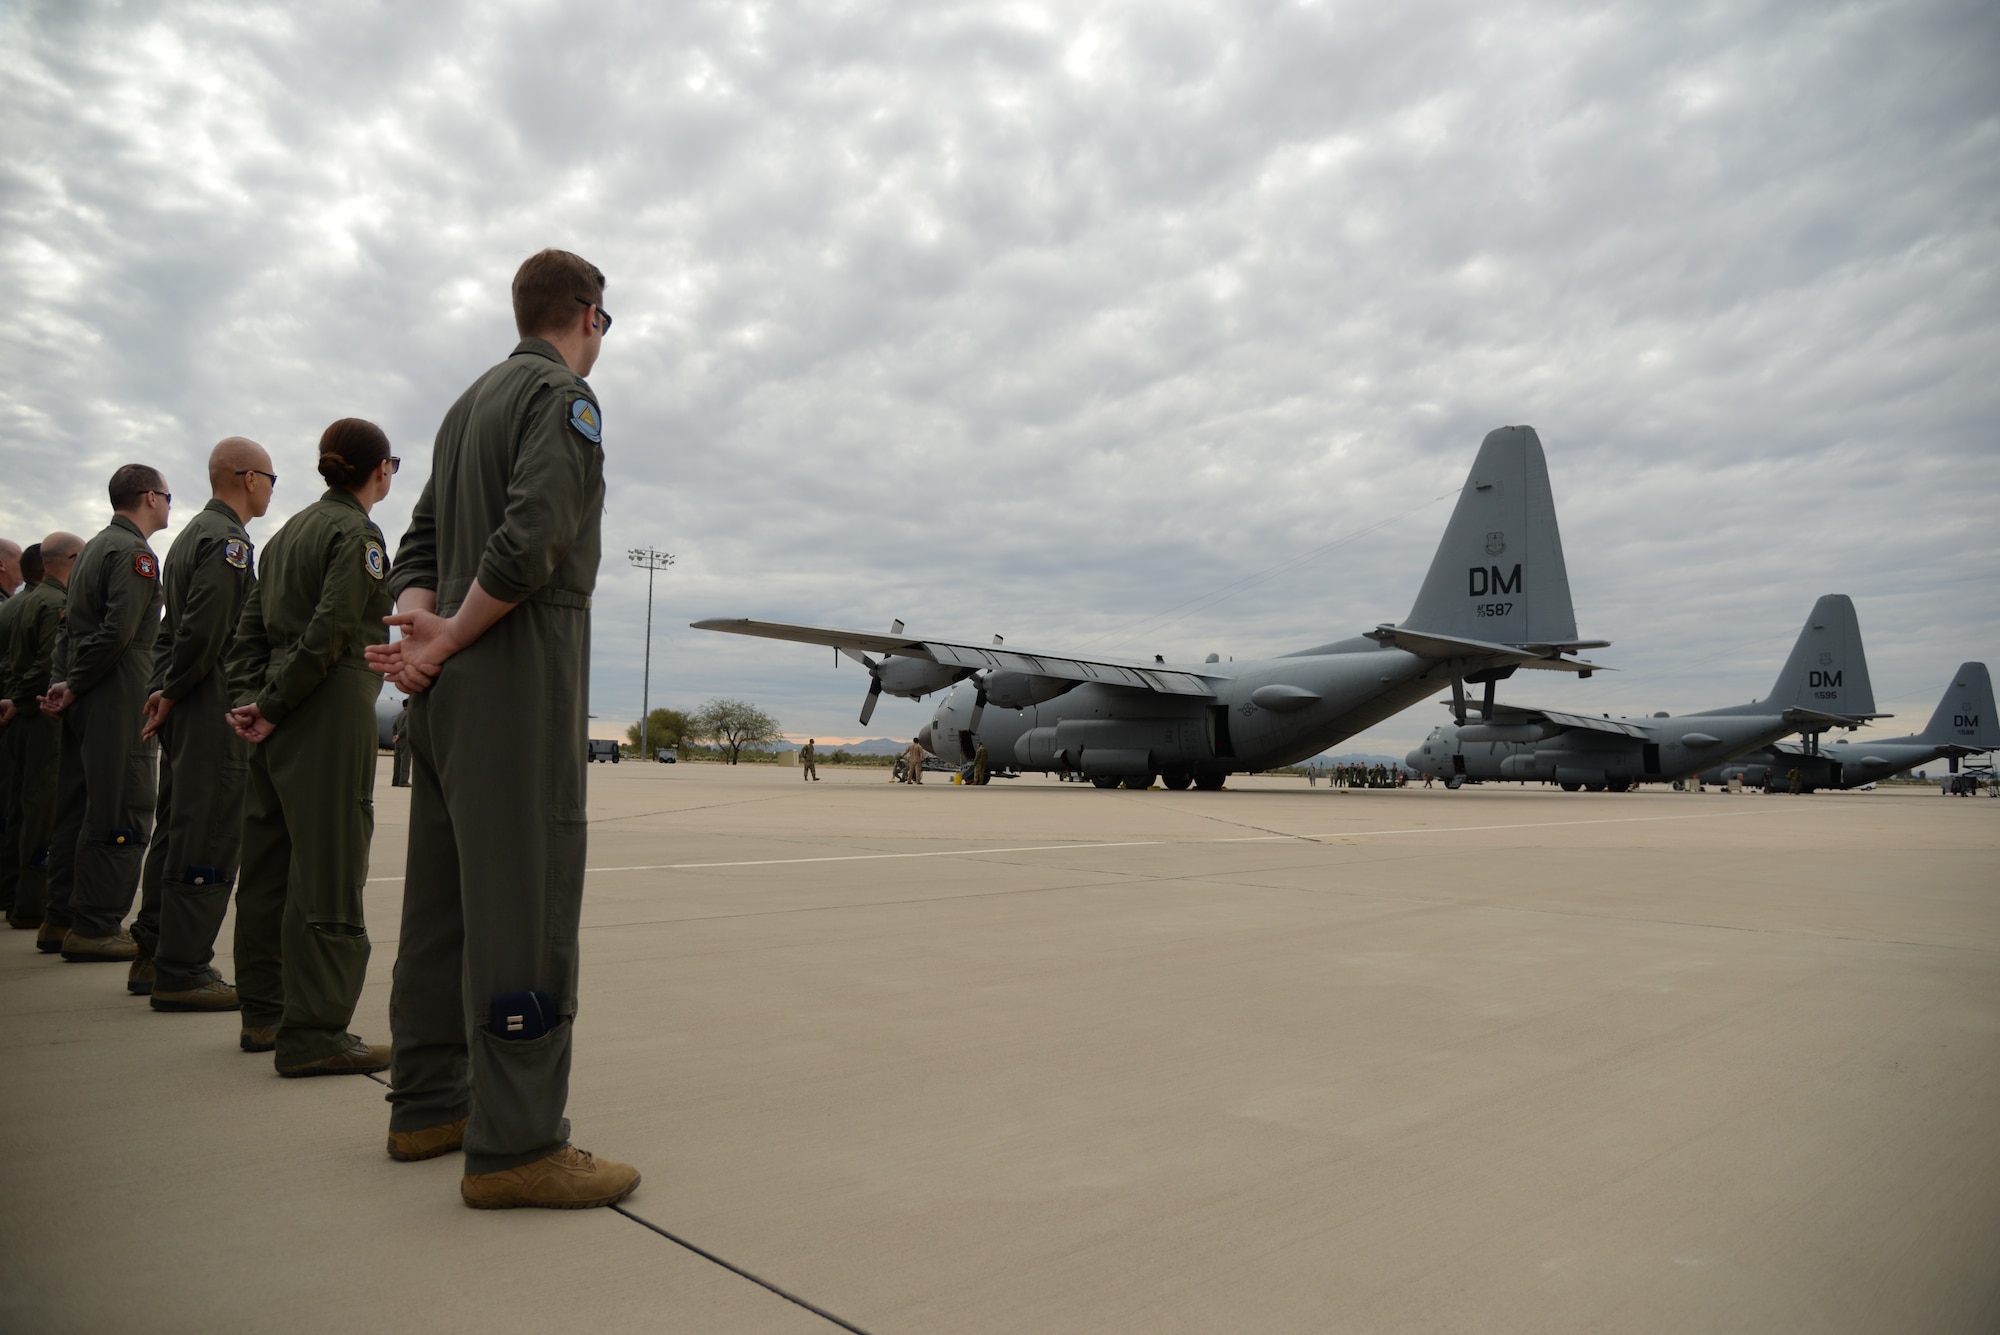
column 604, row 328
column 166, row 496
column 395, row 464
column 272, row 478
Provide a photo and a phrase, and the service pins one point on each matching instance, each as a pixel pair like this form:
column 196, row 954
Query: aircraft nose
column 924, row 739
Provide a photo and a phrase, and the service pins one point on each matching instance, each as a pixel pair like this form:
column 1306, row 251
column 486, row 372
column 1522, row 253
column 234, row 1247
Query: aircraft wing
column 1548, row 657
column 1505, row 714
column 950, row 653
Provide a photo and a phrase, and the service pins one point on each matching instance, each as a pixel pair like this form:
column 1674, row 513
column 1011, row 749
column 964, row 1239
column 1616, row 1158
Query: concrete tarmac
column 1044, row 1057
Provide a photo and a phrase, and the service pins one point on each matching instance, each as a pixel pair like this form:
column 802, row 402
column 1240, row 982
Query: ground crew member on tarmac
column 979, row 761
column 807, row 763
column 913, row 758
column 33, row 738
column 399, row 738
column 308, row 706
column 493, row 583
column 104, row 777
column 198, row 827
column 29, row 567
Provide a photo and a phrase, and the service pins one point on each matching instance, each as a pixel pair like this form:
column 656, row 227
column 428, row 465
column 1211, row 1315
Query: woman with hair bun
column 307, row 699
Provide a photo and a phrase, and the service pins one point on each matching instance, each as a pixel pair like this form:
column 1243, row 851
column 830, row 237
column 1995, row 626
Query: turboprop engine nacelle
column 1018, row 690
column 914, row 678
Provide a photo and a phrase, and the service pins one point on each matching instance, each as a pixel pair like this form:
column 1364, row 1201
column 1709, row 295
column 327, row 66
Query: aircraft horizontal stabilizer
column 975, row 657
column 1814, row 720
column 1549, row 657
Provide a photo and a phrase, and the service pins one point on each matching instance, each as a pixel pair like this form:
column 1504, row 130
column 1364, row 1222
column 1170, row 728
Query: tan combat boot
column 361, row 1059
column 569, row 1179
column 139, row 981
column 49, row 938
column 22, row 922
column 429, row 1143
column 258, row 1038
column 118, row 948
column 212, row 995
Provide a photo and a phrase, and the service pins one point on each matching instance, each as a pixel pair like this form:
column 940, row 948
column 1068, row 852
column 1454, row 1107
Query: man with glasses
column 198, row 827
column 104, row 777
column 493, row 583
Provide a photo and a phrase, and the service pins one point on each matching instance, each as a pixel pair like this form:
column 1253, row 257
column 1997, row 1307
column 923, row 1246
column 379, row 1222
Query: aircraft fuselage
column 1264, row 714
column 1670, row 748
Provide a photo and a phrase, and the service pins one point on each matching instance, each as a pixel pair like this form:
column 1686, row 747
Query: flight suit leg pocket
column 519, row 1089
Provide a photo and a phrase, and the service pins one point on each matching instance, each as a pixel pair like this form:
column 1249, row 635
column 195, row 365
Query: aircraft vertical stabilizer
column 1499, row 575
column 1965, row 715
column 1828, row 670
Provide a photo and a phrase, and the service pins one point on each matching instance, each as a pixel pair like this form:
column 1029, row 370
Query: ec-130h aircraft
column 1496, row 599
column 1824, row 684
column 1962, row 725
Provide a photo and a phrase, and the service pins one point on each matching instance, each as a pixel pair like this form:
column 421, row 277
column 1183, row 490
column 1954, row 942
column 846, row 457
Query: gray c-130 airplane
column 1824, row 684
column 1962, row 725
column 1496, row 599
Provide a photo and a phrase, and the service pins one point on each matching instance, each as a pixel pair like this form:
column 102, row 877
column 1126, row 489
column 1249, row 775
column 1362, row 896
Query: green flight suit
column 198, row 826
column 10, row 820
column 309, row 808
column 494, row 889
column 32, row 741
column 105, row 773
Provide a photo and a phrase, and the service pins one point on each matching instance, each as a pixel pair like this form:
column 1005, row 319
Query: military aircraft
column 1824, row 684
column 1496, row 599
column 1962, row 725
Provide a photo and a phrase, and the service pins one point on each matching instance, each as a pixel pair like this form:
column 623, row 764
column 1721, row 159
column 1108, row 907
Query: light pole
column 649, row 561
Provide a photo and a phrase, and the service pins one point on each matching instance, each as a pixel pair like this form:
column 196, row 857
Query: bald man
column 105, row 780
column 198, row 823
column 10, row 568
column 32, row 736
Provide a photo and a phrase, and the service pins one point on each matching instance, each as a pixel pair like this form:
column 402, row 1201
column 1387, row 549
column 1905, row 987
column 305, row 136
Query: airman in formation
column 181, row 734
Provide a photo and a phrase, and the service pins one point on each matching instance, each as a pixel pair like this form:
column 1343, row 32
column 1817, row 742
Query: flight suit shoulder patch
column 373, row 557
column 236, row 552
column 583, row 417
column 145, row 566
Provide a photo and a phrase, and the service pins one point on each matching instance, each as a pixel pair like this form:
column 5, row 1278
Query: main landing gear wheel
column 1455, row 782
column 1139, row 782
column 1569, row 787
column 1105, row 781
column 1176, row 782
column 1209, row 783
column 1594, row 787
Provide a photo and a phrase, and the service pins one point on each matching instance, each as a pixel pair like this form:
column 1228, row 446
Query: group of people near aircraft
column 202, row 731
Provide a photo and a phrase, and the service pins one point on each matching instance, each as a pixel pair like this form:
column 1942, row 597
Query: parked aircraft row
column 1495, row 601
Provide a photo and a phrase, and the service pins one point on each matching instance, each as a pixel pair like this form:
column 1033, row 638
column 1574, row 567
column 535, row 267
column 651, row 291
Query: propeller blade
column 978, row 706
column 861, row 658
column 896, row 626
column 868, row 705
column 1458, row 700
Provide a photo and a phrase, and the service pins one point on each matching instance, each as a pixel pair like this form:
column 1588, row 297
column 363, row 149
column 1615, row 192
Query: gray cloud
column 1046, row 320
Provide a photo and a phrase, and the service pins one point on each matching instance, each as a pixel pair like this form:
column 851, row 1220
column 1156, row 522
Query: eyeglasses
column 604, row 328
column 271, row 477
column 166, row 496
column 395, row 464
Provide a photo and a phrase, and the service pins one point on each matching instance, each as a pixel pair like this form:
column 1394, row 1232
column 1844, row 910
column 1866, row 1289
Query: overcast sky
column 1046, row 320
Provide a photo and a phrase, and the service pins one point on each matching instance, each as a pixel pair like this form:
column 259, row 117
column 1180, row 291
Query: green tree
column 732, row 725
column 664, row 727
